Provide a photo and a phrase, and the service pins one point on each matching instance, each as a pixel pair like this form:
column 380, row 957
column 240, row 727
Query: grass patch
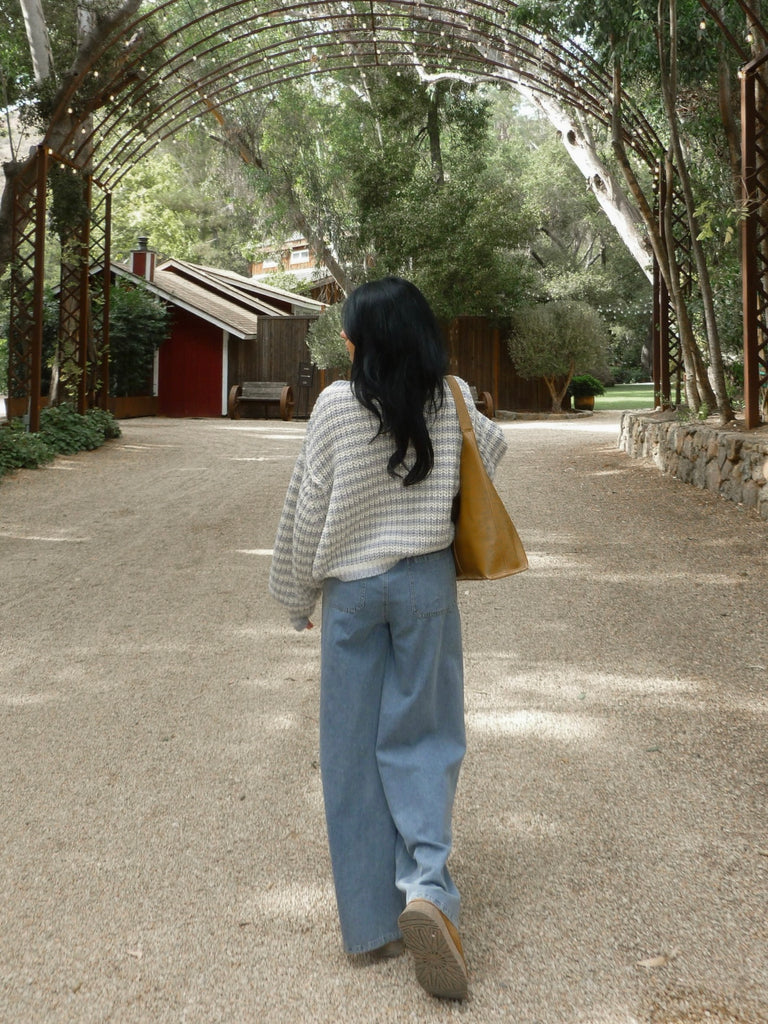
column 627, row 396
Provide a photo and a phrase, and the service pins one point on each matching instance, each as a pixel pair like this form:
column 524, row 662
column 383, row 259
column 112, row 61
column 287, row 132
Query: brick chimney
column 142, row 260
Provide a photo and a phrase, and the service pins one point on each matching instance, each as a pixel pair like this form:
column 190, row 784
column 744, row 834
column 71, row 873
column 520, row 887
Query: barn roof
column 221, row 297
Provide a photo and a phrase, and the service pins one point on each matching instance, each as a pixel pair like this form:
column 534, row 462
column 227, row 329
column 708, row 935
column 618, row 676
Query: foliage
column 431, row 204
column 575, row 253
column 288, row 282
column 62, row 432
column 3, row 366
column 138, row 325
column 20, row 450
column 584, row 385
column 68, row 207
column 324, row 339
column 193, row 199
column 553, row 340
column 65, row 431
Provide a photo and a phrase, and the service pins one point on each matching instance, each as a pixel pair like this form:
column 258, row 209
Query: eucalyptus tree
column 680, row 74
column 576, row 253
column 41, row 51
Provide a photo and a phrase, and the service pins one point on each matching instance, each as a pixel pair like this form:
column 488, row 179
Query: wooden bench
column 265, row 392
column 483, row 401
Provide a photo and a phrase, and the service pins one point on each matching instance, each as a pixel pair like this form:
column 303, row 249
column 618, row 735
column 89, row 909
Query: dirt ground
column 162, row 846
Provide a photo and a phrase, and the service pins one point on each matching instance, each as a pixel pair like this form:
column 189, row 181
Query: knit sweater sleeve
column 490, row 438
column 298, row 534
column 292, row 581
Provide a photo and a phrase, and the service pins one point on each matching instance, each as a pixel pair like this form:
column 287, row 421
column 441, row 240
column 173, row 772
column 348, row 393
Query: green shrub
column 20, row 450
column 62, row 432
column 105, row 422
column 585, row 385
column 66, row 432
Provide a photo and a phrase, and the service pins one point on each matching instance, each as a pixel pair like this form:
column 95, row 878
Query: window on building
column 300, row 256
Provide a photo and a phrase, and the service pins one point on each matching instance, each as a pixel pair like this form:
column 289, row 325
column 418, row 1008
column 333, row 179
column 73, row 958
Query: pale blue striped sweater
column 346, row 517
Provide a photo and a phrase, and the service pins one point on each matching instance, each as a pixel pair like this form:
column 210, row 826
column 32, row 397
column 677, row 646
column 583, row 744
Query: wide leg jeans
column 391, row 742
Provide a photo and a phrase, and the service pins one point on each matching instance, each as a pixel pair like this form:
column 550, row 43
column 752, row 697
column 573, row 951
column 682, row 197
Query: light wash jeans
column 391, row 742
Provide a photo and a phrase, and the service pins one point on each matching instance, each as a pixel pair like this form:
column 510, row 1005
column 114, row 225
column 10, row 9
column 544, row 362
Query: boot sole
column 439, row 964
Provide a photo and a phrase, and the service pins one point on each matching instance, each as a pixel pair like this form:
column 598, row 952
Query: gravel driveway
column 162, row 845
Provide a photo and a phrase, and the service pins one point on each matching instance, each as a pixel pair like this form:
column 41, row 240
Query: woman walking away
column 367, row 523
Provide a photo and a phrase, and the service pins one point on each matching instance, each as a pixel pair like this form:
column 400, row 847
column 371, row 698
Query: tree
column 433, row 205
column 641, row 42
column 38, row 79
column 554, row 340
column 138, row 325
column 574, row 250
column 324, row 339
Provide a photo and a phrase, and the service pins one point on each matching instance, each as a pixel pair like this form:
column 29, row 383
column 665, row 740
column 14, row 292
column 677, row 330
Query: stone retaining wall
column 731, row 463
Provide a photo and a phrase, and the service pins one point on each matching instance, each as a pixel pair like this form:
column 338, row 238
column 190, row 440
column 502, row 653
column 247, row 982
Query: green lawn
column 626, row 396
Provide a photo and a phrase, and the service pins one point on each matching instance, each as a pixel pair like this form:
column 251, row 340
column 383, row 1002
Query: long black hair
column 398, row 366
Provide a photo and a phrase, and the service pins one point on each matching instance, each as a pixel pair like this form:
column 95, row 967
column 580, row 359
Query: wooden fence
column 477, row 352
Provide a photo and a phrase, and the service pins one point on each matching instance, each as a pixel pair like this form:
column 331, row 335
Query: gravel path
column 162, row 845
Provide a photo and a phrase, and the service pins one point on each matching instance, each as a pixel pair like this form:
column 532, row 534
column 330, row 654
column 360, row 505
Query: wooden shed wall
column 477, row 352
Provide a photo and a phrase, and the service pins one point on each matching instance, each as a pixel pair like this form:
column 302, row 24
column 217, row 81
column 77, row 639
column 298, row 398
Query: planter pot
column 20, row 406
column 133, row 405
column 584, row 402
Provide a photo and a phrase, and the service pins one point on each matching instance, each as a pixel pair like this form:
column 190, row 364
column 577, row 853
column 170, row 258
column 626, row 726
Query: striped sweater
column 346, row 517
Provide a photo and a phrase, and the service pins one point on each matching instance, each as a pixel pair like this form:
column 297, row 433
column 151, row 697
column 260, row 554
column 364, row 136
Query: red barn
column 212, row 311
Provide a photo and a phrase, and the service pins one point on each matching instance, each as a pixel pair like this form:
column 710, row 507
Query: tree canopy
column 407, row 164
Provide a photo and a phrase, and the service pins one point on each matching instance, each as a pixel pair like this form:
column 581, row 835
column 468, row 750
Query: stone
column 733, row 466
column 749, row 494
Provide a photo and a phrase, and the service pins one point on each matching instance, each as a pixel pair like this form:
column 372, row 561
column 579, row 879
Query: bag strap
column 461, row 406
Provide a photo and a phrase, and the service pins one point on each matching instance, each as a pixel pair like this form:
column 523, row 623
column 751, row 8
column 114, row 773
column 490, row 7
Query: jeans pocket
column 433, row 586
column 345, row 596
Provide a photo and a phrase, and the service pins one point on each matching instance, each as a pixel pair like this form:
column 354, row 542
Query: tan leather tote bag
column 486, row 545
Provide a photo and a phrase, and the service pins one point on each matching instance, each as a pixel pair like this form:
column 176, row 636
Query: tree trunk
column 688, row 347
column 733, row 140
column 558, row 394
column 37, row 39
column 433, row 131
column 60, row 124
column 581, row 148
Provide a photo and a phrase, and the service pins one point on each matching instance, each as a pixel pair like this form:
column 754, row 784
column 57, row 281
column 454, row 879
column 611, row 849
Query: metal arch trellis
column 332, row 41
column 184, row 72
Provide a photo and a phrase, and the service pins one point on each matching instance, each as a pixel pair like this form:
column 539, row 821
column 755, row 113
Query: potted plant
column 583, row 389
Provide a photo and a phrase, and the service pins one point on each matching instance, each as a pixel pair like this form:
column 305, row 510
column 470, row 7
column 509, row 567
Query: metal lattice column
column 100, row 255
column 25, row 342
column 73, row 312
column 754, row 234
column 668, row 366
